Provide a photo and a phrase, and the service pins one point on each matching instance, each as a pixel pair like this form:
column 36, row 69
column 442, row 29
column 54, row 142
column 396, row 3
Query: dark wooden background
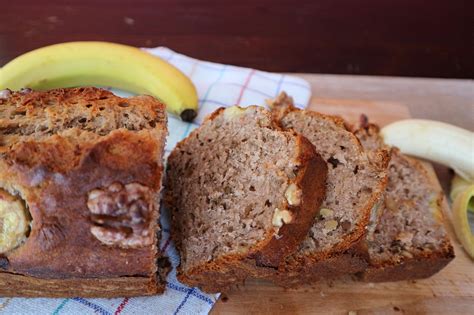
column 377, row 37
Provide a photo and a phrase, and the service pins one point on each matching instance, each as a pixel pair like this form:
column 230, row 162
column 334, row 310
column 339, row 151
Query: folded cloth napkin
column 217, row 85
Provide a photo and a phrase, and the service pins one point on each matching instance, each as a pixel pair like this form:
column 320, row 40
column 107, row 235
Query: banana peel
column 462, row 203
column 102, row 64
column 459, row 186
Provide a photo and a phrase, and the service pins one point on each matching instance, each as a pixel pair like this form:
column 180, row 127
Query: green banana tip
column 188, row 115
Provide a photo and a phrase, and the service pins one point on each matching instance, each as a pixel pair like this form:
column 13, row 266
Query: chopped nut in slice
column 405, row 237
column 121, row 215
column 14, row 222
column 329, row 226
column 390, row 204
column 281, row 217
column 407, row 254
column 233, row 112
column 293, row 195
column 326, row 213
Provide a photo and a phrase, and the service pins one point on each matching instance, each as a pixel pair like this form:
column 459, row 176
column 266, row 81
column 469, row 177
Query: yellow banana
column 462, row 195
column 102, row 64
column 458, row 186
column 461, row 219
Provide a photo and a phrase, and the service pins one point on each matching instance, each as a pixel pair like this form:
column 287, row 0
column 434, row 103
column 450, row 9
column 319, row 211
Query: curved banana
column 461, row 219
column 436, row 141
column 458, row 186
column 103, row 64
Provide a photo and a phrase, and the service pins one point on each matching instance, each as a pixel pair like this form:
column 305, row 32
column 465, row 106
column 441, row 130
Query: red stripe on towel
column 247, row 81
column 121, row 306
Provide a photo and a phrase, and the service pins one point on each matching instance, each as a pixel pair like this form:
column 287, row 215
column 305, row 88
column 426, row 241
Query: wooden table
column 385, row 99
column 403, row 37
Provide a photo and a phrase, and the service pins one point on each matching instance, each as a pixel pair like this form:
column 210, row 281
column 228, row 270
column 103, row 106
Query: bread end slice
column 409, row 240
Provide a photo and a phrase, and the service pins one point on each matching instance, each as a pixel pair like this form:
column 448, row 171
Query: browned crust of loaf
column 81, row 95
column 230, row 270
column 328, row 269
column 418, row 267
column 14, row 285
column 58, row 207
column 333, row 266
column 61, row 257
column 350, row 254
column 307, row 270
column 215, row 276
column 283, row 105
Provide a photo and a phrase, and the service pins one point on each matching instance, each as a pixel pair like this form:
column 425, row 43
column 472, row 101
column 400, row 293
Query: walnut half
column 122, row 215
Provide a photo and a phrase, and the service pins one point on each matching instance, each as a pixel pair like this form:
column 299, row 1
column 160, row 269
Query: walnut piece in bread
column 122, row 214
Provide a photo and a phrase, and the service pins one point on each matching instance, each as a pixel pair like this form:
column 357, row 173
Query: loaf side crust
column 55, row 171
column 14, row 285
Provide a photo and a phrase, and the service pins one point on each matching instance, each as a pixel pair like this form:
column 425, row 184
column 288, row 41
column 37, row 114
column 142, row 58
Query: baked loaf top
column 238, row 188
column 354, row 185
column 410, row 229
column 83, row 167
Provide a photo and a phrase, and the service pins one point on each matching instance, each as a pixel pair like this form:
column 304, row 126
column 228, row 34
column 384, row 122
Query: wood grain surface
column 403, row 37
column 449, row 292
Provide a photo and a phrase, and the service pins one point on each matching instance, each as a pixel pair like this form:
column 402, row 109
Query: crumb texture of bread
column 238, row 189
column 354, row 184
column 409, row 240
column 87, row 165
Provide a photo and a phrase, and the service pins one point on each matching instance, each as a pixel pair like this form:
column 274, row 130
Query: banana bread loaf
column 241, row 192
column 335, row 243
column 409, row 241
column 80, row 176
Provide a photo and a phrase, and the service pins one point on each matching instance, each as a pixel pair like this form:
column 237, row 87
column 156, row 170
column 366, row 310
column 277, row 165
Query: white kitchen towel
column 217, row 85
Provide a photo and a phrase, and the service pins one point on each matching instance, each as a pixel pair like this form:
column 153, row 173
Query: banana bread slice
column 239, row 189
column 335, row 243
column 409, row 241
column 80, row 177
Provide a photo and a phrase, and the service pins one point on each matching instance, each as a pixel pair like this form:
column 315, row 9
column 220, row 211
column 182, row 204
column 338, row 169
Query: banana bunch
column 448, row 145
column 102, row 64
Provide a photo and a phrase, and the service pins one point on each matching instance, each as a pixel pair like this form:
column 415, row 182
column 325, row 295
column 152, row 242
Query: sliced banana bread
column 409, row 241
column 80, row 178
column 240, row 189
column 335, row 243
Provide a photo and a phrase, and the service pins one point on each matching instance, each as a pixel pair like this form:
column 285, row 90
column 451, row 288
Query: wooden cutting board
column 449, row 292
